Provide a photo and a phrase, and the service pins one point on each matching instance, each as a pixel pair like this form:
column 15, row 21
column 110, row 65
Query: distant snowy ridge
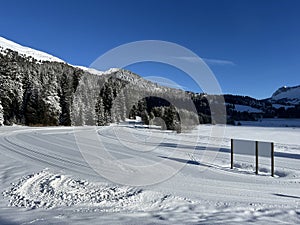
column 292, row 94
column 98, row 72
column 26, row 51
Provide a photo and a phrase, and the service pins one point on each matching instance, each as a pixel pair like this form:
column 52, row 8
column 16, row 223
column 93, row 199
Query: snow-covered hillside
column 42, row 56
column 26, row 51
column 288, row 94
column 41, row 84
column 245, row 108
column 98, row 72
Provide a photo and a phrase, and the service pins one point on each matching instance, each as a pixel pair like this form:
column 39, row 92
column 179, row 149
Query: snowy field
column 273, row 123
column 45, row 177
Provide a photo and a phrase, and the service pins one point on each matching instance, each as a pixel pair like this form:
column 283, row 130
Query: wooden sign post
column 256, row 157
column 231, row 154
column 272, row 159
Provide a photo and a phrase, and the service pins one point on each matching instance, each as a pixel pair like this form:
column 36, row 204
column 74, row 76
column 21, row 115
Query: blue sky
column 253, row 47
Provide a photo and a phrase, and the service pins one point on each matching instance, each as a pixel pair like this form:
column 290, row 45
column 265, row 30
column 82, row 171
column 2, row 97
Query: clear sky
column 253, row 47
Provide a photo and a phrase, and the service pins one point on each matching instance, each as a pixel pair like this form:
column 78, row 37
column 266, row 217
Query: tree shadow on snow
column 286, row 196
column 225, row 150
column 191, row 162
column 6, row 222
column 192, row 147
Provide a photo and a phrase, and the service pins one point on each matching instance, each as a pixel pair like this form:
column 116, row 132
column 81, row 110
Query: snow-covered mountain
column 287, row 94
column 26, row 51
column 42, row 56
column 38, row 88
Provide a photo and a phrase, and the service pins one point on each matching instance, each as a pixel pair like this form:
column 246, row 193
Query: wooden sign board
column 264, row 149
column 244, row 147
column 254, row 148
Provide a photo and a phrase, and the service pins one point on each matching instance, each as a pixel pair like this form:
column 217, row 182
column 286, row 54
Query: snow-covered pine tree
column 50, row 99
column 100, row 113
column 1, row 115
column 119, row 107
column 11, row 88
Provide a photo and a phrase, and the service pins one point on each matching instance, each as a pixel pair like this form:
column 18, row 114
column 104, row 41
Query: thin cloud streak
column 219, row 62
column 212, row 62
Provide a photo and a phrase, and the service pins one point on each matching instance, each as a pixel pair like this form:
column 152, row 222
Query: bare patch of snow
column 277, row 106
column 245, row 108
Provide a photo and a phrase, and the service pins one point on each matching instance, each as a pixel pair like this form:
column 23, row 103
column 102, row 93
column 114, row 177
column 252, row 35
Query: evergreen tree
column 145, row 116
column 100, row 113
column 1, row 115
column 171, row 118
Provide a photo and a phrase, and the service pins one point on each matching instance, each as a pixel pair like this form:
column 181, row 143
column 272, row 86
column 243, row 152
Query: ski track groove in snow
column 30, row 149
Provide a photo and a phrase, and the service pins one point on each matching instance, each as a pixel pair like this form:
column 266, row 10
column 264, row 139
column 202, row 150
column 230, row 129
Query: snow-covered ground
column 45, row 179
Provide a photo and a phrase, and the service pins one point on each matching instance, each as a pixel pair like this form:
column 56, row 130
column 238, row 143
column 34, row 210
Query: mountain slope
column 39, row 89
column 26, row 51
column 288, row 94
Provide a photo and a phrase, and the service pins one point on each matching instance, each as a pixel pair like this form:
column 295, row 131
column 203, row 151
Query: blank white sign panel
column 264, row 149
column 244, row 147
